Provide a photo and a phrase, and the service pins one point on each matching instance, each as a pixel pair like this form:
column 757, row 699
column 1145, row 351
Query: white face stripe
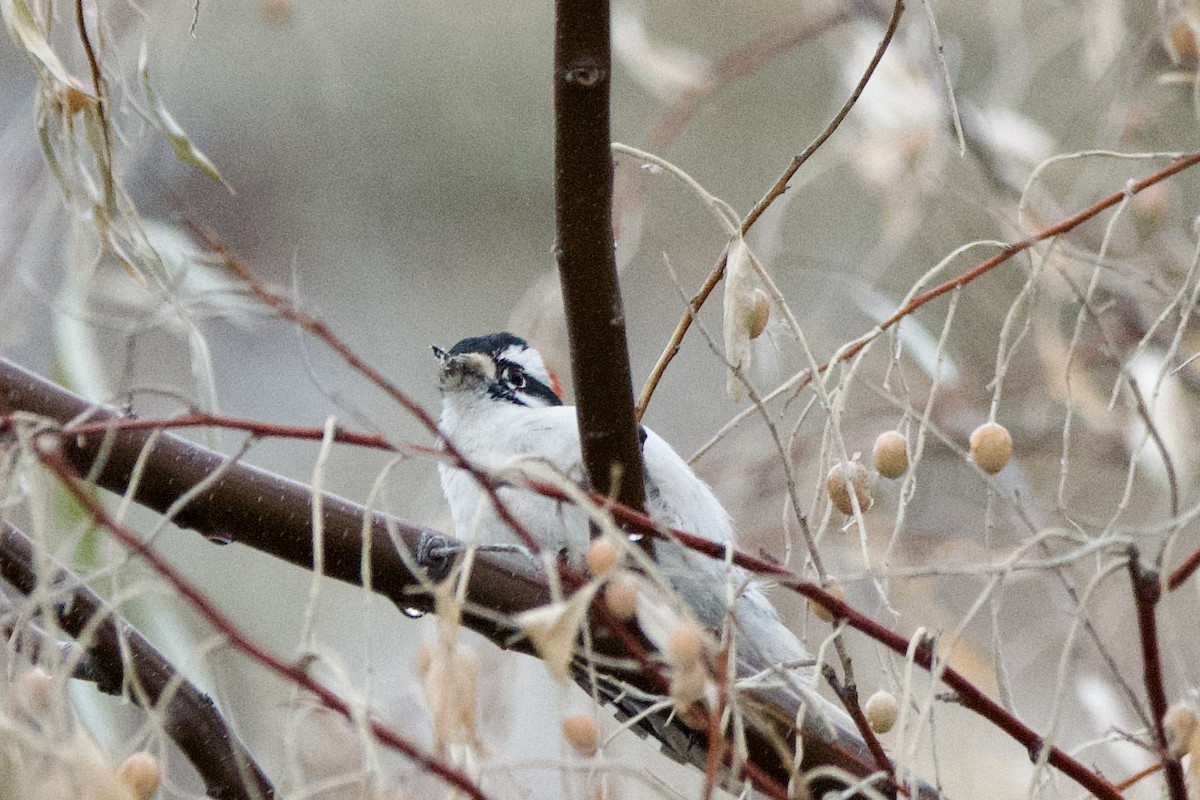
column 527, row 359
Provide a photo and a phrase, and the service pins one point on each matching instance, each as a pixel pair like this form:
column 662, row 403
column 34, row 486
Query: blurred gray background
column 393, row 170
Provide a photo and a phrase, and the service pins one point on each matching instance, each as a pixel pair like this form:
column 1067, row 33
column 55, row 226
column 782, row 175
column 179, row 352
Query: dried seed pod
column 687, row 643
column 1179, row 725
column 33, row 692
column 991, row 447
column 140, row 772
column 621, row 596
column 72, row 99
column 881, row 711
column 1180, row 38
column 891, row 454
column 602, row 556
column 761, row 313
column 844, row 479
column 1150, row 206
column 581, row 733
column 277, row 12
column 448, row 676
column 834, row 588
column 738, row 310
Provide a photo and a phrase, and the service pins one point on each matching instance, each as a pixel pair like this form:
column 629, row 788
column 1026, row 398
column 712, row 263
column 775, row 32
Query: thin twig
column 846, row 352
column 259, row 428
column 743, row 61
column 273, row 515
column 774, row 193
column 848, row 694
column 1145, row 772
column 1183, row 571
column 294, row 673
column 1156, row 436
column 190, row 718
column 100, row 86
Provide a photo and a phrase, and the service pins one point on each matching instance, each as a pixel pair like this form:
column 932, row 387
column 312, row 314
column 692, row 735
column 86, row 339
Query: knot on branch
column 584, row 72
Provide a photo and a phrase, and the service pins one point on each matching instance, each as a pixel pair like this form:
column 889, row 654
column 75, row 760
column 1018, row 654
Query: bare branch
column 274, row 515
column 296, row 673
column 774, row 193
column 189, row 717
column 583, row 181
column 1146, row 593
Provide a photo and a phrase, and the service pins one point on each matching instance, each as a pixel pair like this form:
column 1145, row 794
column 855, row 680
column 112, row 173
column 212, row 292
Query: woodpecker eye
column 514, row 377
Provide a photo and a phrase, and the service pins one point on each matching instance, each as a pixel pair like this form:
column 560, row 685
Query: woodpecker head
column 499, row 366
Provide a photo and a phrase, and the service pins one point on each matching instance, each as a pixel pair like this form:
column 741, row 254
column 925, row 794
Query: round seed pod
column 621, row 596
column 881, row 711
column 33, row 692
column 581, row 733
column 140, row 772
column 991, row 447
column 844, row 479
column 891, row 454
column 686, row 643
column 834, row 588
column 1181, row 37
column 602, row 556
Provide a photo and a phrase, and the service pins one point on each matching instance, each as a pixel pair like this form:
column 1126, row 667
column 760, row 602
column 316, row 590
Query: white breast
column 492, row 434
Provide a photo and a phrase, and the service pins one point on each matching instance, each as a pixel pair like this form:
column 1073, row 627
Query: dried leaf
column 184, row 149
column 23, row 27
column 553, row 629
column 739, row 307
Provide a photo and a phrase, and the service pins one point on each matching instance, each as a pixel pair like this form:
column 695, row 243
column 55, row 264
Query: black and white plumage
column 500, row 403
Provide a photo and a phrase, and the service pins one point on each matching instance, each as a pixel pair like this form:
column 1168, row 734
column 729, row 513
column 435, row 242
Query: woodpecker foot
column 436, row 554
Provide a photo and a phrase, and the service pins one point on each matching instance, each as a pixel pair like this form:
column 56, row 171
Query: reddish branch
column 274, row 515
column 1183, row 571
column 1178, row 165
column 968, row 695
column 1146, row 593
column 234, row 635
column 774, row 193
column 848, row 694
column 235, row 508
column 258, row 428
column 189, row 716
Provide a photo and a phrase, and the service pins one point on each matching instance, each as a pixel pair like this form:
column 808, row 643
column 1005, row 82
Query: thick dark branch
column 189, row 716
column 257, row 508
column 274, row 515
column 583, row 181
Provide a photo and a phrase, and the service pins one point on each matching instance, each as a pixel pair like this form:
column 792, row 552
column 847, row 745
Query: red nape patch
column 554, row 384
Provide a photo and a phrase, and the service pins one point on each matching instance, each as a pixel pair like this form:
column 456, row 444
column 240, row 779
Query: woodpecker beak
column 464, row 371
